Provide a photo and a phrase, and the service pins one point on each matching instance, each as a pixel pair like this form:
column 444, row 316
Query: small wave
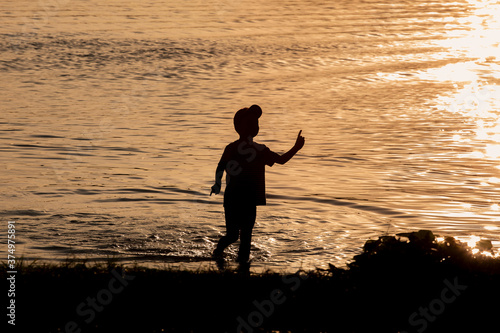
column 52, row 248
column 22, row 212
column 337, row 202
column 46, row 136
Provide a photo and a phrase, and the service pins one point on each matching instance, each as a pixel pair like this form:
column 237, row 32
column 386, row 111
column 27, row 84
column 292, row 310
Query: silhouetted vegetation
column 408, row 282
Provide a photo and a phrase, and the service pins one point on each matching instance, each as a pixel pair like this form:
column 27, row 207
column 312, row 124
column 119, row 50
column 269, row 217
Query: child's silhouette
column 244, row 162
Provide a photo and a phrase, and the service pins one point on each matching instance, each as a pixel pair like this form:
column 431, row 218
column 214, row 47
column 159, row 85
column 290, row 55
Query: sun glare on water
column 477, row 95
column 478, row 99
column 472, row 242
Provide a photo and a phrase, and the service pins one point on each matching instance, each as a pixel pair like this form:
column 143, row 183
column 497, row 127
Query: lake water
column 115, row 113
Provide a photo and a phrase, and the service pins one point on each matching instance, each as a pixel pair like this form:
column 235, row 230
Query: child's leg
column 232, row 230
column 248, row 221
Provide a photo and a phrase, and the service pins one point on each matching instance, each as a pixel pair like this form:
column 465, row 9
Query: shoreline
column 404, row 283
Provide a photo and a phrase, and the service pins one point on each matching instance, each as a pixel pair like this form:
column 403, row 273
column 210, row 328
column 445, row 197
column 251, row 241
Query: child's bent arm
column 287, row 156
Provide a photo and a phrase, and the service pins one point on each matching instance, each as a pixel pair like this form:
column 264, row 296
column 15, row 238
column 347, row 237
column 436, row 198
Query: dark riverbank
column 406, row 283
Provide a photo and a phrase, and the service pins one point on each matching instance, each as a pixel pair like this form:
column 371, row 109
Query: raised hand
column 299, row 143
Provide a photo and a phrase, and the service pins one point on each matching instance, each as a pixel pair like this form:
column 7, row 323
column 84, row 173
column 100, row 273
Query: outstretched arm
column 299, row 143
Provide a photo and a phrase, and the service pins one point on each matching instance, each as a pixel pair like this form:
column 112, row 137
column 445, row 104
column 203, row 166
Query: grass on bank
column 397, row 284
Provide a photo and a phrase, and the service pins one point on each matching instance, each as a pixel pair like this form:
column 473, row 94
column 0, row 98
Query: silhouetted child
column 244, row 162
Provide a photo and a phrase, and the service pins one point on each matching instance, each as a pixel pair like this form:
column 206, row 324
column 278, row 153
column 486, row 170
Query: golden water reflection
column 479, row 99
column 481, row 106
column 476, row 77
